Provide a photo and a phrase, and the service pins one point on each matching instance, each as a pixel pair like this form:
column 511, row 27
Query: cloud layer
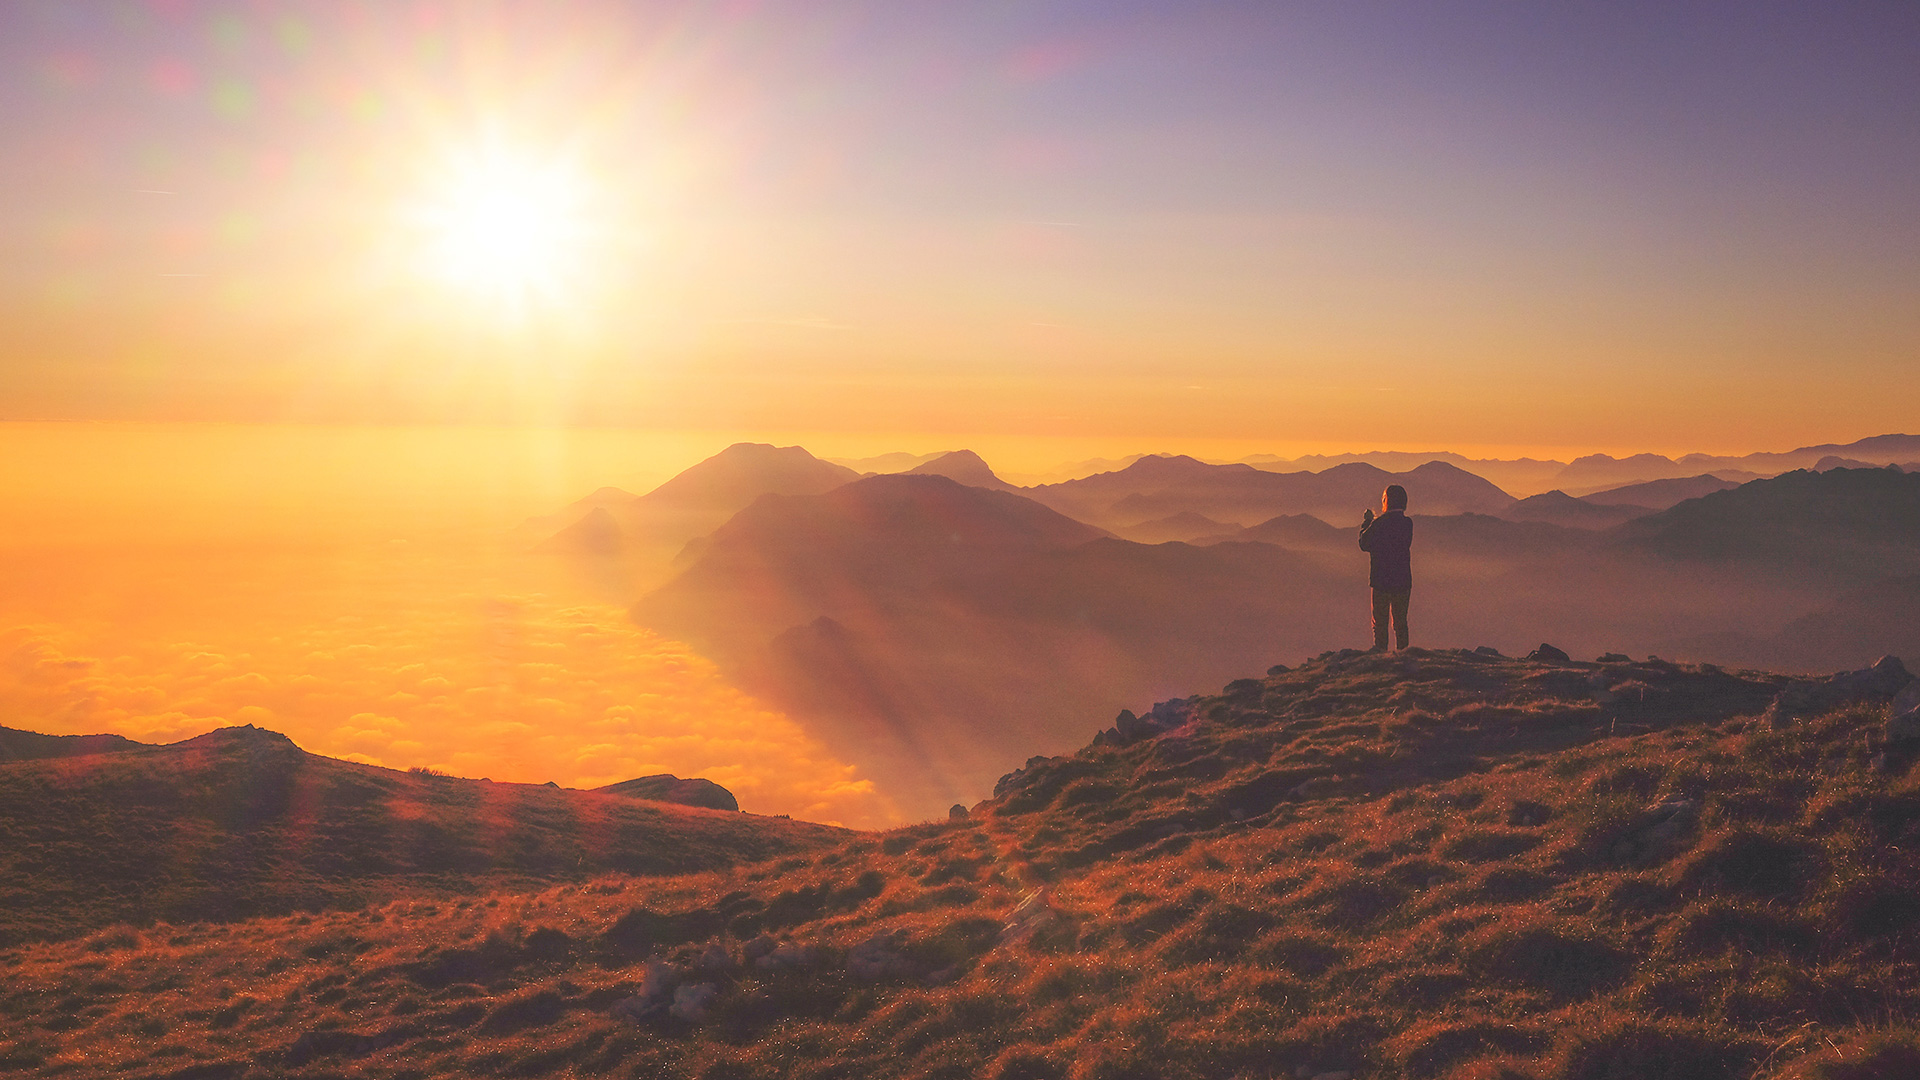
column 398, row 659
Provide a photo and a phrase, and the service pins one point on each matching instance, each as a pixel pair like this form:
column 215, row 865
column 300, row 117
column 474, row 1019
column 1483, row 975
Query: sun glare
column 511, row 232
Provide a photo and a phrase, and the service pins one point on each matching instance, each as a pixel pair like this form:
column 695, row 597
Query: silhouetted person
column 1389, row 539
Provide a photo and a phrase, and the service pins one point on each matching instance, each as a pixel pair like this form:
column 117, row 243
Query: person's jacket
column 1389, row 539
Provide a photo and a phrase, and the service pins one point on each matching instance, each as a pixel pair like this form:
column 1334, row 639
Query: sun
column 509, row 230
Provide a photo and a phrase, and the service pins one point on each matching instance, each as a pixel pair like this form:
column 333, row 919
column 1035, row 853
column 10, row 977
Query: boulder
column 1885, row 677
column 1131, row 727
column 957, row 812
column 1615, row 658
column 1903, row 727
column 878, row 957
column 1907, row 700
column 690, row 1002
column 1548, row 654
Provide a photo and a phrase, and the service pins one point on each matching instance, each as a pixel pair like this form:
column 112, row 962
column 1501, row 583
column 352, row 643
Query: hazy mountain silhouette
column 964, row 466
column 1661, row 494
column 1528, row 475
column 1559, row 508
column 1876, row 619
column 1877, row 449
column 898, row 461
column 1443, row 545
column 242, row 822
column 928, row 630
column 1183, row 527
column 1831, row 462
column 1594, row 472
column 1159, row 487
column 627, row 541
column 1850, row 525
column 598, row 533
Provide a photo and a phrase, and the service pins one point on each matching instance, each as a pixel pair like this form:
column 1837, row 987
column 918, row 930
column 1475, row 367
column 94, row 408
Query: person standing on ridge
column 1389, row 539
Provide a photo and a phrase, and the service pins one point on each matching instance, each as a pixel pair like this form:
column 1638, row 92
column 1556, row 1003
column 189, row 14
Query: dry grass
column 1437, row 865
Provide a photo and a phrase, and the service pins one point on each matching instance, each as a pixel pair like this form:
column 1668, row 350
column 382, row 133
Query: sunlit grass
column 1476, row 893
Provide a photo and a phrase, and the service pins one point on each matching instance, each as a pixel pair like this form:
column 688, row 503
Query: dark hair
column 1395, row 497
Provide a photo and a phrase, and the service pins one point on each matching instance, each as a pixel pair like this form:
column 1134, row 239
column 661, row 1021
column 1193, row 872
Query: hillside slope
column 1428, row 865
column 242, row 822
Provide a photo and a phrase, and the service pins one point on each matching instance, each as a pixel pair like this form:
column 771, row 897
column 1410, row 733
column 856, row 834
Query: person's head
column 1394, row 498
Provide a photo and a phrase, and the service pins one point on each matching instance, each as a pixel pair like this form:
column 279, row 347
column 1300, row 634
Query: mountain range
column 1156, row 487
column 928, row 623
column 1600, row 472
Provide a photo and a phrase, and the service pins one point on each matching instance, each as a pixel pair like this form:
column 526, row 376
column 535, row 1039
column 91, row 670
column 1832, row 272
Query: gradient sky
column 1671, row 226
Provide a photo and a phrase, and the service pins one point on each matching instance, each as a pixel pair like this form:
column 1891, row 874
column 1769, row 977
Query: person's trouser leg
column 1382, row 604
column 1398, row 602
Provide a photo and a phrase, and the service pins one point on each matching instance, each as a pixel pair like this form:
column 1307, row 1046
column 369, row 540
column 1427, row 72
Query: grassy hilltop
column 1431, row 864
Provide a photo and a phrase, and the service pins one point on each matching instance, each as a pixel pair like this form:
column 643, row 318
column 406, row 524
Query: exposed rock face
column 666, row 787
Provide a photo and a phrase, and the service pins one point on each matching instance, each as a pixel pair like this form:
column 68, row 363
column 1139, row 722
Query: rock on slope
column 1428, row 865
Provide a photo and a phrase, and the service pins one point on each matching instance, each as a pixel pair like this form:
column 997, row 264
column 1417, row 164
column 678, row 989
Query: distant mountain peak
column 964, row 466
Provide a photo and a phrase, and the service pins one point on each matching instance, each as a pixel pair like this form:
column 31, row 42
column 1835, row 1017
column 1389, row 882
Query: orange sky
column 1282, row 228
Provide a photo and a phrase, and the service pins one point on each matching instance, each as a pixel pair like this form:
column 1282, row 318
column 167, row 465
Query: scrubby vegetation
column 1445, row 865
column 241, row 822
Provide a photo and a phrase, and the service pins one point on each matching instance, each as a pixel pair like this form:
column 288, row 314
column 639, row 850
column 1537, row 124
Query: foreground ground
column 1437, row 864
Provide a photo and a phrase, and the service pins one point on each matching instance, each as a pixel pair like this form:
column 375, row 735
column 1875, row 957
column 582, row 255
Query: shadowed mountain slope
column 1435, row 865
column 1159, row 487
column 242, row 822
column 1186, row 527
column 965, row 466
column 931, row 631
column 693, row 503
column 1848, row 524
column 1876, row 618
column 1527, row 475
column 1661, row 494
column 1596, row 472
column 1559, row 508
column 926, row 639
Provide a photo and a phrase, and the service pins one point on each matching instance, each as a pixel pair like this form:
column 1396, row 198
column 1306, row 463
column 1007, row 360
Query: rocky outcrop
column 1884, row 679
column 666, row 787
